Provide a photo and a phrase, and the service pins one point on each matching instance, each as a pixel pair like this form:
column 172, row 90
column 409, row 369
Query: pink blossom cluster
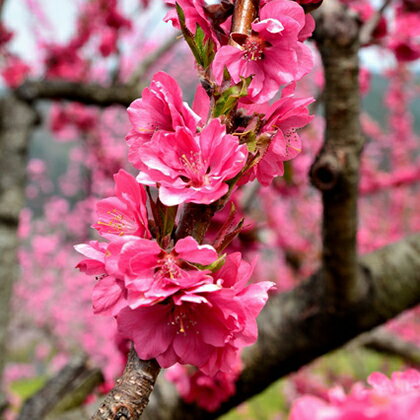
column 387, row 399
column 169, row 300
column 189, row 165
column 206, row 391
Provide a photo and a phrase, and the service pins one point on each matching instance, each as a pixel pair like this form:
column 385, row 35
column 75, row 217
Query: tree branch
column 244, row 13
column 86, row 93
column 369, row 26
column 385, row 342
column 336, row 169
column 129, row 397
column 76, row 380
column 16, row 121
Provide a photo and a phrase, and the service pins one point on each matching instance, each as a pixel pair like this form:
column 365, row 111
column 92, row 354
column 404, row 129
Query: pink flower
column 109, row 40
column 141, row 271
column 196, row 387
column 405, row 40
column 160, row 108
column 281, row 121
column 125, row 213
column 109, row 295
column 15, row 71
column 200, row 325
column 395, row 398
column 95, row 263
column 273, row 54
column 191, row 168
column 195, row 14
column 152, row 274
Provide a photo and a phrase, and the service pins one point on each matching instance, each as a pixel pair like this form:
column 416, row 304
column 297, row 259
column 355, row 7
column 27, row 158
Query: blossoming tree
column 172, row 262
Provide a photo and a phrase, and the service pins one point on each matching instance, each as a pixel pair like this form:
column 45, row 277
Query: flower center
column 169, row 268
column 253, row 48
column 117, row 223
column 194, row 169
column 184, row 321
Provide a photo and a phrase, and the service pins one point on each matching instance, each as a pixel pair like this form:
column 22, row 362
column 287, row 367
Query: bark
column 131, row 393
column 16, row 121
column 336, row 170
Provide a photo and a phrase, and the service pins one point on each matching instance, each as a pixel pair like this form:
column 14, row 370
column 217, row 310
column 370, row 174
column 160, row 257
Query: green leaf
column 215, row 265
column 188, row 36
column 251, row 142
column 230, row 96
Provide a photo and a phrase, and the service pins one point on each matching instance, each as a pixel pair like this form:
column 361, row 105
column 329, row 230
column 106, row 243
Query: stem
column 244, row 14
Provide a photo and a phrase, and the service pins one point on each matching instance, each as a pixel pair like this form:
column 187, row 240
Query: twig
column 141, row 72
column 366, row 31
column 385, row 342
column 244, row 13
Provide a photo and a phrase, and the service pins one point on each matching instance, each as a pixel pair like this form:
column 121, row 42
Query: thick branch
column 16, row 121
column 297, row 327
column 86, row 93
column 76, row 379
column 336, row 169
column 131, row 394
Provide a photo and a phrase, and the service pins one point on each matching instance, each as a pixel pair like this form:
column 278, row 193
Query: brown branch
column 385, row 342
column 69, row 387
column 94, row 93
column 131, row 394
column 367, row 30
column 16, row 122
column 86, row 93
column 336, row 169
column 141, row 72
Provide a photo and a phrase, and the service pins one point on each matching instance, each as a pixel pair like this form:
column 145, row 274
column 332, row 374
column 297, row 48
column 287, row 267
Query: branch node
column 325, row 172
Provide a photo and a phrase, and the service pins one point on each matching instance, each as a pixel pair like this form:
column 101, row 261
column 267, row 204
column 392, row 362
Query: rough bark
column 131, row 394
column 336, row 169
column 16, row 120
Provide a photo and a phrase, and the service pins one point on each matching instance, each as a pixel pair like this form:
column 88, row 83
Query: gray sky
column 61, row 14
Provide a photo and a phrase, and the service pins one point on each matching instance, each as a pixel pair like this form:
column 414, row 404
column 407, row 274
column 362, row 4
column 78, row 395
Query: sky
column 61, row 15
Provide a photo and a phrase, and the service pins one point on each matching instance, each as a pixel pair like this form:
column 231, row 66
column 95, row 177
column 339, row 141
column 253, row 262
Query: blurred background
column 75, row 148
